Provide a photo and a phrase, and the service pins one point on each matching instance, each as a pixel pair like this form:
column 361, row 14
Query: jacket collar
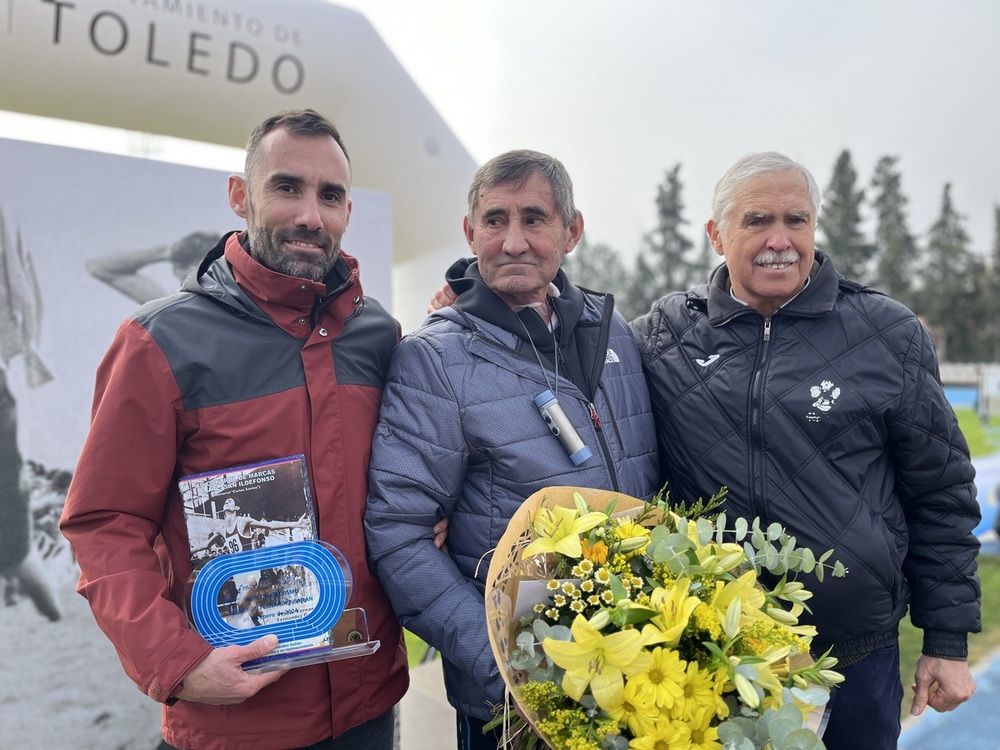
column 475, row 298
column 231, row 276
column 818, row 298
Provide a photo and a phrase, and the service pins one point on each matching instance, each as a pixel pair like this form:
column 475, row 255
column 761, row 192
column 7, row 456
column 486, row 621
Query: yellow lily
column 559, row 530
column 598, row 661
column 675, row 607
column 743, row 588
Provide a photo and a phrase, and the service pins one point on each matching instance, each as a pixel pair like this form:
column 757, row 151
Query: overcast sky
column 621, row 91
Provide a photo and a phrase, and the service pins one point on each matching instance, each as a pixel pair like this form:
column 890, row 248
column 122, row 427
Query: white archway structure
column 210, row 71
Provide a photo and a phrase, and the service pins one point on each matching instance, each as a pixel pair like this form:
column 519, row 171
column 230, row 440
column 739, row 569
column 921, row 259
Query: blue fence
column 962, row 396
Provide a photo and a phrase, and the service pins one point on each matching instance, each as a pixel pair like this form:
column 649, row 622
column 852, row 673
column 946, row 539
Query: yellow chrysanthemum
column 704, row 736
column 662, row 682
column 667, row 734
column 701, row 689
column 596, row 552
column 633, row 710
column 629, row 529
column 597, row 660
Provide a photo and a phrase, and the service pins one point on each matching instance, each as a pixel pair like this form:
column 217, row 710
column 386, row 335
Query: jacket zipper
column 757, row 500
column 601, row 436
column 599, row 430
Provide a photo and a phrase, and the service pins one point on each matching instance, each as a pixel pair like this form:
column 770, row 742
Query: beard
column 267, row 248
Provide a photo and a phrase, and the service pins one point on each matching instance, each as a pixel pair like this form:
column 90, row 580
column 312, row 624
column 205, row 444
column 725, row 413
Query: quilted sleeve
column 934, row 479
column 418, row 467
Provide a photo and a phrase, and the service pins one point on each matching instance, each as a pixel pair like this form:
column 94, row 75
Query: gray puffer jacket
column 459, row 437
column 828, row 418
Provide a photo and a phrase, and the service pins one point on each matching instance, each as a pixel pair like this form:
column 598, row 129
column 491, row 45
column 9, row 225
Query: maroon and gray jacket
column 243, row 365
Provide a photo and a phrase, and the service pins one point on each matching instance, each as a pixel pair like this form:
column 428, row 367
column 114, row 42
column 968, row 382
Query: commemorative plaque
column 258, row 567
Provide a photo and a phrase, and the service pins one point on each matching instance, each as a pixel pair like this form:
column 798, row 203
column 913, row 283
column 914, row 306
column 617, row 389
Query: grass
column 416, row 649
column 981, row 443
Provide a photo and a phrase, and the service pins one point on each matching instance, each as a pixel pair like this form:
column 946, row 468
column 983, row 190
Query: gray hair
column 514, row 168
column 754, row 165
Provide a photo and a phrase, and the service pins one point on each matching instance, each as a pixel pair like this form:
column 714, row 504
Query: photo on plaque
column 258, row 568
column 248, row 507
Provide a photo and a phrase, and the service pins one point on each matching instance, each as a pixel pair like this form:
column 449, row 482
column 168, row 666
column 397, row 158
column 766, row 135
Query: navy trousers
column 471, row 737
column 865, row 707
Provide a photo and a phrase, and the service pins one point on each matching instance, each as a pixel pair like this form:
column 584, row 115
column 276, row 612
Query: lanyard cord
column 555, row 352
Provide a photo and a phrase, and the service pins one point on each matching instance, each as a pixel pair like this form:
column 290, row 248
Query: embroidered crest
column 824, row 397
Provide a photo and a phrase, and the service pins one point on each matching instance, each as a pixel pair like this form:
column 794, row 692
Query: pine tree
column 995, row 282
column 954, row 293
column 598, row 267
column 840, row 221
column 896, row 253
column 667, row 244
column 641, row 293
column 704, row 262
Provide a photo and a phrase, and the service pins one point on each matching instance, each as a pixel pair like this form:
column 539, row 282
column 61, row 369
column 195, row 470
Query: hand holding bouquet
column 621, row 625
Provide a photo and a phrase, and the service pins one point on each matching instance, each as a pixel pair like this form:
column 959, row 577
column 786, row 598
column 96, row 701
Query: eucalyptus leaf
column 808, row 560
column 800, row 739
column 813, row 696
column 730, row 732
column 560, row 633
column 741, row 528
column 705, row 530
column 781, row 727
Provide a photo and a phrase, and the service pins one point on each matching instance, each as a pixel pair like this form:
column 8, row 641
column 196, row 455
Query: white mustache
column 769, row 257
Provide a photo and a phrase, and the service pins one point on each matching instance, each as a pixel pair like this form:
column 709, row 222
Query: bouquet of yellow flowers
column 624, row 625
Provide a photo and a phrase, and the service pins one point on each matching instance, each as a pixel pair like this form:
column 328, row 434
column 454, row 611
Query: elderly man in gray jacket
column 462, row 434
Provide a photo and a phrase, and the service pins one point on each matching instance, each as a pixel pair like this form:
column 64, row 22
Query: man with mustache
column 460, row 433
column 270, row 350
column 818, row 404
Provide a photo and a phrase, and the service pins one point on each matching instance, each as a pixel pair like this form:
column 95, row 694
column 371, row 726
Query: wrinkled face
column 296, row 203
column 519, row 239
column 768, row 239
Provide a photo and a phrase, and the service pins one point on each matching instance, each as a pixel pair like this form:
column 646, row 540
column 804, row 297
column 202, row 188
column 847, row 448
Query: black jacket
column 830, row 419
